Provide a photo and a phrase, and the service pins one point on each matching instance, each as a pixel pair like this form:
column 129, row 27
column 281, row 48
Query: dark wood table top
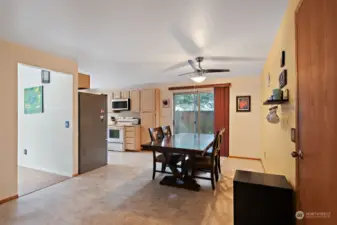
column 186, row 143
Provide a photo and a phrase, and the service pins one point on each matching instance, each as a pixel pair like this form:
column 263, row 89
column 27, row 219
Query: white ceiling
column 128, row 42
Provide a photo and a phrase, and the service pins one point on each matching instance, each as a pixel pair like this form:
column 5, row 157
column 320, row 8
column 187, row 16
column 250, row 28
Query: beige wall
column 10, row 55
column 276, row 144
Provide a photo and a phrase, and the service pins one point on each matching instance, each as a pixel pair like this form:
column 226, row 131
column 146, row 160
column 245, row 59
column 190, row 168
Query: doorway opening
column 45, row 133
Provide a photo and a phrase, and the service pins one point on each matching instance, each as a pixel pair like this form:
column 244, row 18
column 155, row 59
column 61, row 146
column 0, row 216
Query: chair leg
column 183, row 162
column 219, row 165
column 212, row 179
column 154, row 165
column 216, row 173
column 163, row 167
column 154, row 169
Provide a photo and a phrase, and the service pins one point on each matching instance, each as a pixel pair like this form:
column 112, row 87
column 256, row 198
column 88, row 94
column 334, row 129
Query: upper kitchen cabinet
column 135, row 101
column 125, row 94
column 116, row 95
column 149, row 100
column 83, row 81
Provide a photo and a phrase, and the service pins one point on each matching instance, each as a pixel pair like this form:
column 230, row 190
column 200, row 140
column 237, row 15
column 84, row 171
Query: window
column 194, row 112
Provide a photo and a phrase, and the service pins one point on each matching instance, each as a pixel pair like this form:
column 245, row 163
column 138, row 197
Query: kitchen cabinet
column 83, row 81
column 110, row 97
column 132, row 138
column 135, row 101
column 150, row 108
column 116, row 95
column 125, row 94
column 148, row 120
column 148, row 100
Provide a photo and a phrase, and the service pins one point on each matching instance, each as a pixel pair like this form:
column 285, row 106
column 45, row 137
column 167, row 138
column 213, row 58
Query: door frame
column 297, row 133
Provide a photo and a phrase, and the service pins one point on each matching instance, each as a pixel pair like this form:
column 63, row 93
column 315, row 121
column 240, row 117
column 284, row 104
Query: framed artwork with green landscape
column 33, row 100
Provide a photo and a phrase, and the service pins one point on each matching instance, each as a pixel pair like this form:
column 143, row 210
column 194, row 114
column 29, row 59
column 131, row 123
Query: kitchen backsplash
column 124, row 114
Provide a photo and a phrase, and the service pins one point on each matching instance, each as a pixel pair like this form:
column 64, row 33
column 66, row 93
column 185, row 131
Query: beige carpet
column 30, row 180
column 123, row 193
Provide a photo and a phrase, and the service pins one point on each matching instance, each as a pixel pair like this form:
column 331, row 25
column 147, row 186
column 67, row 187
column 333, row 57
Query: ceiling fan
column 199, row 73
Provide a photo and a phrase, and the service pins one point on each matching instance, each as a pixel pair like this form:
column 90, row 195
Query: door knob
column 298, row 154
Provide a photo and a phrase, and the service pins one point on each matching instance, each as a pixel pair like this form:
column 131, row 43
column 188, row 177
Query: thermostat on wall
column 45, row 76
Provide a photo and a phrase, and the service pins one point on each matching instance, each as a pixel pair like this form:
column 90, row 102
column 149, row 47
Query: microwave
column 120, row 104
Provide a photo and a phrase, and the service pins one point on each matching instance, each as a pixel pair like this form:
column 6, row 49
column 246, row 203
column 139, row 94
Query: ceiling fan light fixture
column 198, row 79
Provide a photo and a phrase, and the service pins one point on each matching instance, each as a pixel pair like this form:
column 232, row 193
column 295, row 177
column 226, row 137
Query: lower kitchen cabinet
column 132, row 138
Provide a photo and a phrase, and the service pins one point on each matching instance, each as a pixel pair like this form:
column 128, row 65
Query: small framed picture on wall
column 243, row 103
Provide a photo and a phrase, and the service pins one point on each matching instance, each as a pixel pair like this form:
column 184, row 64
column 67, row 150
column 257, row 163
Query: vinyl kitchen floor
column 124, row 193
column 30, row 180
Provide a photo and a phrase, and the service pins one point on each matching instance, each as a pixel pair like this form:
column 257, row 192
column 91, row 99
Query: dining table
column 188, row 144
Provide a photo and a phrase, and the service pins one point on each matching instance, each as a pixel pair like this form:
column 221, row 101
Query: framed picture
column 243, row 103
column 283, row 78
column 166, row 103
column 33, row 100
column 283, row 59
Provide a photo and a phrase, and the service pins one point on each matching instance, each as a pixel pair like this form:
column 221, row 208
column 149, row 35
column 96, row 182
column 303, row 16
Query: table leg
column 178, row 180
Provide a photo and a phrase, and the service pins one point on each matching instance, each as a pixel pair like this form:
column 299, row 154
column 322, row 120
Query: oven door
column 116, row 134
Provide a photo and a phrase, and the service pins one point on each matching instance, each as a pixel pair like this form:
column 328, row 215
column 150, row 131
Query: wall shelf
column 275, row 102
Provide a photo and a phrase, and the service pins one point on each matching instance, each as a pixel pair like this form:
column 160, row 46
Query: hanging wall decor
column 283, row 78
column 243, row 103
column 33, row 100
column 166, row 103
column 272, row 116
column 283, row 59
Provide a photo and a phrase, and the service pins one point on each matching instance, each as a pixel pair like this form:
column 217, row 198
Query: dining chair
column 167, row 131
column 221, row 134
column 209, row 151
column 207, row 162
column 155, row 135
column 167, row 134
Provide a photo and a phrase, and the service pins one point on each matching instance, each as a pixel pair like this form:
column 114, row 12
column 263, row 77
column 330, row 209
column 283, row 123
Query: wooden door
column 135, row 101
column 148, row 100
column 148, row 120
column 92, row 131
column 316, row 31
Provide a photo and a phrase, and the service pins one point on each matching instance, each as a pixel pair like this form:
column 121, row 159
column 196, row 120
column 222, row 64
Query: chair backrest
column 156, row 133
column 215, row 145
column 167, row 131
column 220, row 138
column 222, row 131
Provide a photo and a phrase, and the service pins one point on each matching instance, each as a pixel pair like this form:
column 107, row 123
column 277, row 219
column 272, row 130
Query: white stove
column 116, row 132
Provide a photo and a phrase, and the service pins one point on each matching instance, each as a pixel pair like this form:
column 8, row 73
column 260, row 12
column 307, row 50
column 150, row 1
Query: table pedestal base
column 187, row 183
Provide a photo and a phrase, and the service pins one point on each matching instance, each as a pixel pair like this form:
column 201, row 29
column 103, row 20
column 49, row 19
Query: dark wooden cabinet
column 262, row 199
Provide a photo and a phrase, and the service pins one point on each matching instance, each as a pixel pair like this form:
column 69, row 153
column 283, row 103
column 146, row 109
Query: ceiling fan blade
column 194, row 66
column 184, row 74
column 216, row 70
column 176, row 66
column 185, row 42
column 233, row 58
